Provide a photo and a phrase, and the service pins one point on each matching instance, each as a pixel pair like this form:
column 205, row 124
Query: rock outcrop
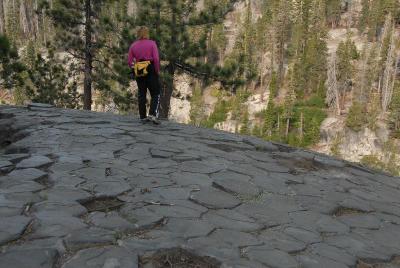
column 84, row 189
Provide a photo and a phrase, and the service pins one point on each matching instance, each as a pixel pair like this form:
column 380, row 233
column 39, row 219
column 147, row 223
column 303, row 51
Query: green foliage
column 313, row 101
column 197, row 108
column 373, row 161
column 390, row 165
column 373, row 15
column 49, row 82
column 335, row 147
column 274, row 86
column 312, row 120
column 357, row 117
column 11, row 67
column 334, row 10
column 245, row 128
column 257, row 131
column 270, row 119
column 219, row 114
column 395, row 112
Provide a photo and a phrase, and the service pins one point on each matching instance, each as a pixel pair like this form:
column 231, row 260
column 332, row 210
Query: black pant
column 152, row 83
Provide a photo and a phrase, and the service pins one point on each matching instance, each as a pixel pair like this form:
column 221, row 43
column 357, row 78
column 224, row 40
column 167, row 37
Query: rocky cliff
column 85, row 189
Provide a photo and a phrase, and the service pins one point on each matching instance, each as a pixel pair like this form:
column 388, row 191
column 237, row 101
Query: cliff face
column 354, row 146
column 80, row 189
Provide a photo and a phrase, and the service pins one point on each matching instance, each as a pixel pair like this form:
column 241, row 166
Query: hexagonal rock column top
column 215, row 199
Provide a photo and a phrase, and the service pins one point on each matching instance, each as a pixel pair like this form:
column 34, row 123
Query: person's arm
column 131, row 57
column 156, row 58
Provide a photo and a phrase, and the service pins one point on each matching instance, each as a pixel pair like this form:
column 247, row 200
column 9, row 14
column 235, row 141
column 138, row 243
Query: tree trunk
column 287, row 127
column 279, row 123
column 2, row 18
column 168, row 88
column 25, row 19
column 36, row 20
column 301, row 126
column 87, row 88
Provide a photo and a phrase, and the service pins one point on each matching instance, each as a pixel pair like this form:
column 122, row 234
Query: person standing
column 143, row 58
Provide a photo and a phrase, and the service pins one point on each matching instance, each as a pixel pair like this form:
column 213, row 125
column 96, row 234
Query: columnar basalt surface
column 83, row 189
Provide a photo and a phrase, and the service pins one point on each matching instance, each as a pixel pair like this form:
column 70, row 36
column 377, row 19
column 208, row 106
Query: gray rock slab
column 157, row 153
column 234, row 238
column 202, row 167
column 39, row 105
column 328, row 224
column 111, row 221
column 5, row 166
column 264, row 214
column 272, row 258
column 361, row 221
column 143, row 218
column 63, row 194
column 281, row 241
column 43, row 258
column 214, row 199
column 69, row 208
column 185, row 157
column 174, row 211
column 10, row 208
column 143, row 245
column 271, row 184
column 232, row 220
column 13, row 158
column 313, row 261
column 108, row 257
column 261, row 145
column 333, row 253
column 88, row 237
column 359, row 247
column 154, row 163
column 189, row 228
column 106, row 188
column 244, row 201
column 186, row 179
column 29, row 174
column 272, row 167
column 305, row 236
column 172, row 193
column 206, row 246
column 235, row 183
column 54, row 224
column 15, row 187
column 144, row 182
column 36, row 161
column 11, row 228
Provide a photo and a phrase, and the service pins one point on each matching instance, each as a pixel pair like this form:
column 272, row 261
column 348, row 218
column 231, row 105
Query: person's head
column 143, row 32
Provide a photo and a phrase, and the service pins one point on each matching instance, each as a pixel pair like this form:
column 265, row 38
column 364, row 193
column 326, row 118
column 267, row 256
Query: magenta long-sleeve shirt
column 144, row 49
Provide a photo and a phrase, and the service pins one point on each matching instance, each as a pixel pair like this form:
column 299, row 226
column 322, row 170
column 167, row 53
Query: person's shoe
column 154, row 119
column 144, row 120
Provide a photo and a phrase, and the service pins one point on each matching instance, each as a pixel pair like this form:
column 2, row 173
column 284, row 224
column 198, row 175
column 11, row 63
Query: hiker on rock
column 144, row 59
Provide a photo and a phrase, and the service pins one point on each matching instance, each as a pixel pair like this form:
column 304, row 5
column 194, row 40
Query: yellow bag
column 140, row 68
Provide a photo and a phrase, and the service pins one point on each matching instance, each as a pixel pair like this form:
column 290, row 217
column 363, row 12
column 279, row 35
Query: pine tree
column 78, row 33
column 245, row 129
column 289, row 103
column 49, row 82
column 269, row 118
column 171, row 23
column 334, row 9
column 197, row 108
column 11, row 67
column 395, row 112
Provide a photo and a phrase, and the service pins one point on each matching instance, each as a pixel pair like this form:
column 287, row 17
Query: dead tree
column 389, row 74
column 332, row 94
